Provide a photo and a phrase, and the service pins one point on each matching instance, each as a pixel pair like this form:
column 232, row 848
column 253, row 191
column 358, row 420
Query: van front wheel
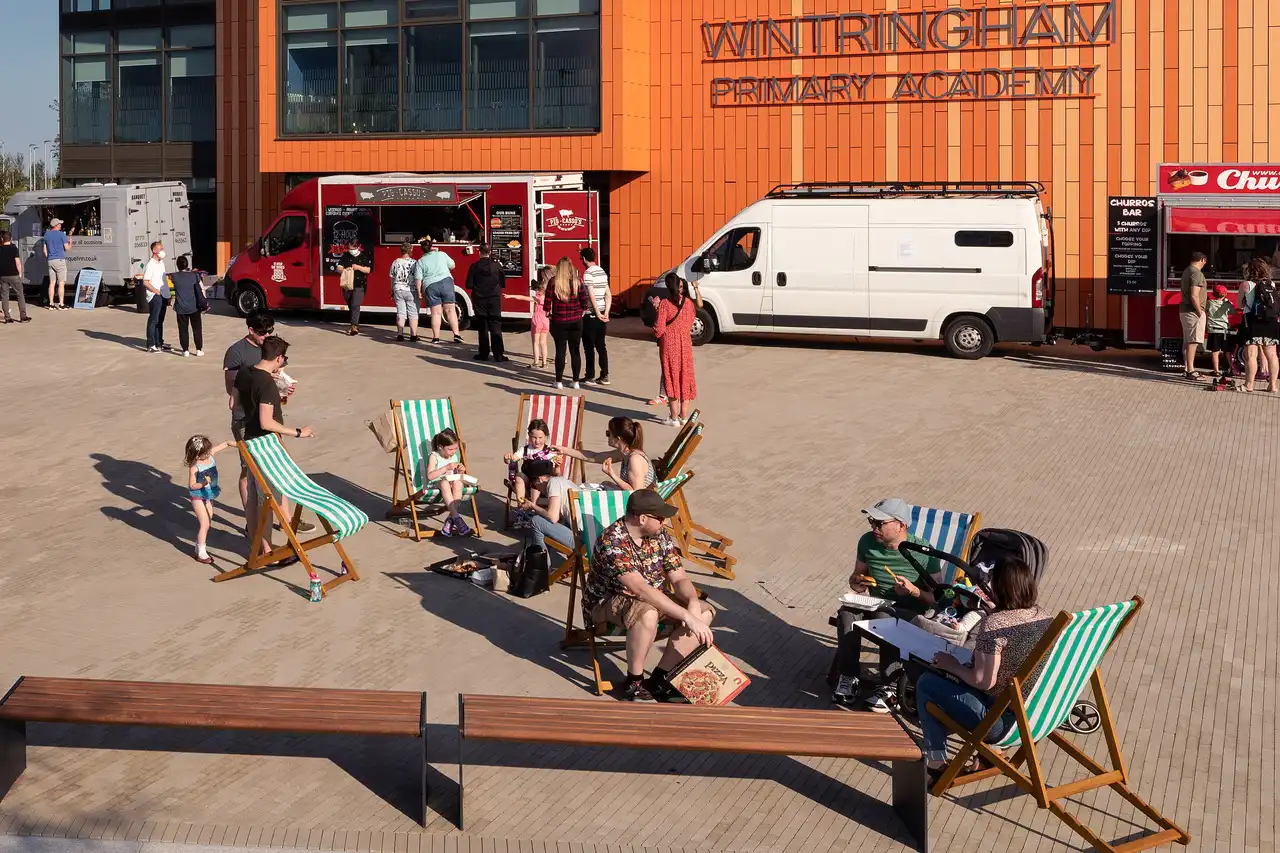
column 704, row 327
column 969, row 337
column 249, row 299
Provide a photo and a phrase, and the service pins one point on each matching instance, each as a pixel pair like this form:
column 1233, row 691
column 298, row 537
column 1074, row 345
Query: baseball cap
column 1220, row 291
column 55, row 222
column 890, row 509
column 647, row 502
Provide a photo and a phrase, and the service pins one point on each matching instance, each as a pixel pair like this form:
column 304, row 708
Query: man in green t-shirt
column 883, row 571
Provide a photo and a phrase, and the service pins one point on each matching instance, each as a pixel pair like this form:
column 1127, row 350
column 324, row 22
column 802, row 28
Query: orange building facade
column 704, row 106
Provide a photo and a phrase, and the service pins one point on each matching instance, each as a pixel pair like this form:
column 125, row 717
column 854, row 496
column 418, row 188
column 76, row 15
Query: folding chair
column 417, row 422
column 564, row 416
column 592, row 512
column 700, row 545
column 1068, row 656
column 274, row 471
column 949, row 531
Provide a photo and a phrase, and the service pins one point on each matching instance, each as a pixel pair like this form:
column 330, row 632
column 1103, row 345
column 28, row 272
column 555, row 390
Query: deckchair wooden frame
column 522, row 428
column 404, row 474
column 700, row 545
column 294, row 547
column 1033, row 782
column 594, row 637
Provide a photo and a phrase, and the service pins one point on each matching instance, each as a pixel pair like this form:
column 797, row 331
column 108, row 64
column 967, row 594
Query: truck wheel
column 464, row 316
column 969, row 337
column 249, row 299
column 704, row 327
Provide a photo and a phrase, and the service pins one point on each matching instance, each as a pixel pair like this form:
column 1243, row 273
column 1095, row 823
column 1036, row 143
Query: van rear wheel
column 969, row 337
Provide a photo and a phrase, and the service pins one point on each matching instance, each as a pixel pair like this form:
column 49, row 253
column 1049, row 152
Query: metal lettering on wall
column 869, row 34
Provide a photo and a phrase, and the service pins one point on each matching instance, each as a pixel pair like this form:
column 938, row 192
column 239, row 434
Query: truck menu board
column 1132, row 240
column 506, row 237
column 344, row 226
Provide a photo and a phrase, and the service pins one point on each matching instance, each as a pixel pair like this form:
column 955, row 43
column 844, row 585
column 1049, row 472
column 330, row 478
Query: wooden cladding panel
column 1181, row 80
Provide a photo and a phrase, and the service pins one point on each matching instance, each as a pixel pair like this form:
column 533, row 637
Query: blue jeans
column 544, row 529
column 156, row 309
column 966, row 705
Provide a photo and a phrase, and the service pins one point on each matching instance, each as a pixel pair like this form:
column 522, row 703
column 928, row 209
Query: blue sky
column 29, row 69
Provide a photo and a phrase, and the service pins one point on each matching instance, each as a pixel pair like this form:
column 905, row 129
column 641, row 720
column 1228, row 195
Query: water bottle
column 317, row 589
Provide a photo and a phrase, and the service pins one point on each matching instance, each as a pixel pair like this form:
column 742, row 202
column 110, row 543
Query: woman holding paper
column 1002, row 642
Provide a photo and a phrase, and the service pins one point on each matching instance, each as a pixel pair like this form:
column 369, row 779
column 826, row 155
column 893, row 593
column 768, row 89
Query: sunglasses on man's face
column 876, row 524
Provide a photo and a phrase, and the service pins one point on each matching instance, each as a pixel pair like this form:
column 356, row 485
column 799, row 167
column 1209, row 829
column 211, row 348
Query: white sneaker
column 199, row 352
column 186, row 354
column 559, row 386
column 153, row 349
column 882, row 700
column 671, row 422
column 577, row 386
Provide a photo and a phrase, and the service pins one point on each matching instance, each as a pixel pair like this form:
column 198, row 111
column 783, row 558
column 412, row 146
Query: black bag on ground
column 534, row 570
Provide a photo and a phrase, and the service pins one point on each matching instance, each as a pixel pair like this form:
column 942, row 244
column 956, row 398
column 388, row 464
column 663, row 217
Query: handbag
column 534, row 570
column 347, row 278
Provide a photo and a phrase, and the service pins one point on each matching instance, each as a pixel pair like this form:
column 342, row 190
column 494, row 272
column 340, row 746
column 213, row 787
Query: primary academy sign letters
column 934, row 32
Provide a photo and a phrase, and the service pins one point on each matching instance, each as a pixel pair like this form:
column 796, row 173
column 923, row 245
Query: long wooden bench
column 295, row 710
column 764, row 731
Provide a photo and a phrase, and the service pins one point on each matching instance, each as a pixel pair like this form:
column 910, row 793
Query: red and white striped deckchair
column 564, row 416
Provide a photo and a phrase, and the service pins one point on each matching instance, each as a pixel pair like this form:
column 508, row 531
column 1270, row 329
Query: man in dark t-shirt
column 259, row 396
column 245, row 352
column 11, row 278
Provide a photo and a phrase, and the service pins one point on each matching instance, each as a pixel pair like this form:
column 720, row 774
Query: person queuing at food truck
column 54, row 244
column 1218, row 329
column 882, row 571
column 435, row 274
column 595, row 322
column 156, row 282
column 189, row 303
column 569, row 301
column 1191, row 312
column 1260, row 301
column 633, row 560
column 406, row 292
column 485, row 282
column 11, row 278
column 353, row 259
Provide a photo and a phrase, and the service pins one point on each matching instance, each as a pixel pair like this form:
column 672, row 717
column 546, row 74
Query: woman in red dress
column 674, row 331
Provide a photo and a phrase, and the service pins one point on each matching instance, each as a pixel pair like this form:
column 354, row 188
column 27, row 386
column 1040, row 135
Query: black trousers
column 593, row 344
column 488, row 325
column 568, row 338
column 197, row 326
column 849, row 652
column 354, row 298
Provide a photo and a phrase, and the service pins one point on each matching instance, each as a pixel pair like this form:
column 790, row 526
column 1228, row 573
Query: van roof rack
column 906, row 189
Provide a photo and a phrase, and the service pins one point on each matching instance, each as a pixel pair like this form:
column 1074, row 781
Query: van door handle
column 297, row 263
column 756, row 278
column 782, row 279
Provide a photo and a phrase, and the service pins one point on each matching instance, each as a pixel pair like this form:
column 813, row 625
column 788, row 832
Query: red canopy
column 1221, row 220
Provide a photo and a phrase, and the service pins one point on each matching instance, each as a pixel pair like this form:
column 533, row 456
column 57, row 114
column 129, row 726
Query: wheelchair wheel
column 1084, row 719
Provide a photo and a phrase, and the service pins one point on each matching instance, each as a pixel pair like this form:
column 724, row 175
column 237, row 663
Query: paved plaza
column 1137, row 482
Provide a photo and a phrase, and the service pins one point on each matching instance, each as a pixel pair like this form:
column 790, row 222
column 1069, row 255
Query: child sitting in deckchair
column 536, row 448
column 448, row 476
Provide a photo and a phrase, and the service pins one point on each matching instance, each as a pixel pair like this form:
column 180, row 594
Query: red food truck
column 526, row 219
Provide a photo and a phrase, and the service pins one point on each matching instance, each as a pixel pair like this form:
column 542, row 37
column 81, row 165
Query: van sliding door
column 817, row 280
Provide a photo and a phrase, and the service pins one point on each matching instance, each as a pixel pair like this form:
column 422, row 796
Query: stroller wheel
column 1084, row 719
column 907, row 696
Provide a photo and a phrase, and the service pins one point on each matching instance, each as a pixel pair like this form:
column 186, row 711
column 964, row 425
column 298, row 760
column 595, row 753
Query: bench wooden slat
column 276, row 709
column 778, row 731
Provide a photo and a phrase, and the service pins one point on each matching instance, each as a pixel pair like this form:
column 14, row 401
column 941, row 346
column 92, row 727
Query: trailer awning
column 1221, row 220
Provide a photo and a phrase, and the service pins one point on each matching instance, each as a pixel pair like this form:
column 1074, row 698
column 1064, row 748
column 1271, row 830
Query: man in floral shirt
column 632, row 561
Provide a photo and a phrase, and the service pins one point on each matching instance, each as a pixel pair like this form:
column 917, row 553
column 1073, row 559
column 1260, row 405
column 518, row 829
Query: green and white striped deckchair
column 417, row 422
column 1067, row 658
column 948, row 531
column 274, row 471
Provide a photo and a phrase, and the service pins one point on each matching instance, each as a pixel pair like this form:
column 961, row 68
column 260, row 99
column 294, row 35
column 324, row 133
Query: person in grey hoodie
column 485, row 281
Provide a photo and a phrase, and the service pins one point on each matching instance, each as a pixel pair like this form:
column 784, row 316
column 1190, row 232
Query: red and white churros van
column 526, row 219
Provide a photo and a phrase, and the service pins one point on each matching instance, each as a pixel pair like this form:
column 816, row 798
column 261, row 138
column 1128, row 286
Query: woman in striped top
column 569, row 300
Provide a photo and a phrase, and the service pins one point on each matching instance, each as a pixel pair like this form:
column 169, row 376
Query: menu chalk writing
column 1132, row 239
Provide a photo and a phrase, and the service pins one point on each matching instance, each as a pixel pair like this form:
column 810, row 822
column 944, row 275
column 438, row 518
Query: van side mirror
column 706, row 263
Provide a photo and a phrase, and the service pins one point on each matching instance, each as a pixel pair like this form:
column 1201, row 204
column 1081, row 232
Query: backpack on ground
column 1266, row 302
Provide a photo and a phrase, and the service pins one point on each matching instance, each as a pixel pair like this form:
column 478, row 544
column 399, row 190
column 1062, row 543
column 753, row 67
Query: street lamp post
column 44, row 165
column 31, row 157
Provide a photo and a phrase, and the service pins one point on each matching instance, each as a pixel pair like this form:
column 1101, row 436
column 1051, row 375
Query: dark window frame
column 993, row 239
column 403, row 23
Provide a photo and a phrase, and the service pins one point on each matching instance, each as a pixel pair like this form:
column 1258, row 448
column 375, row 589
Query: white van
column 968, row 264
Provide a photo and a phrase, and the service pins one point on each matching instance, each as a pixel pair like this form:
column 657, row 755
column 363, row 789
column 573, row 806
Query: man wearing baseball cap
column 632, row 561
column 882, row 571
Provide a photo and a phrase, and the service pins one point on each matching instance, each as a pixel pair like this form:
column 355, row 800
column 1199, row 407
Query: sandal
column 1193, row 375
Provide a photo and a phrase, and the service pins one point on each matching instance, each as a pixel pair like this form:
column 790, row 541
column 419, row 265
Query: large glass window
column 439, row 66
column 139, row 98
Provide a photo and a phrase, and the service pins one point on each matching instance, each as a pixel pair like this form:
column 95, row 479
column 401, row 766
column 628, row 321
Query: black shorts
column 1216, row 341
column 237, row 432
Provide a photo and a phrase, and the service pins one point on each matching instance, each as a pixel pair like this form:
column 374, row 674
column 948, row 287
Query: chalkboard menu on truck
column 506, row 238
column 1132, row 238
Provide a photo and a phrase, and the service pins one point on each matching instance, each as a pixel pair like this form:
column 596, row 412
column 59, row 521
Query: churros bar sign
column 863, row 35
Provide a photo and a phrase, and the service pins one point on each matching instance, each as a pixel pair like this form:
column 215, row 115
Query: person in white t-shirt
column 595, row 323
column 406, row 292
column 156, row 281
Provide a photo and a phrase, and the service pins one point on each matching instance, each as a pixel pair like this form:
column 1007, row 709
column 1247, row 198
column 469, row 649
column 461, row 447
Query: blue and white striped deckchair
column 1067, row 658
column 274, row 471
column 417, row 422
column 592, row 512
column 948, row 531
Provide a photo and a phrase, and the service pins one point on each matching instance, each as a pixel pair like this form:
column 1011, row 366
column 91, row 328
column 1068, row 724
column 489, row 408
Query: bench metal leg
column 462, row 789
column 13, row 753
column 911, row 800
column 422, row 733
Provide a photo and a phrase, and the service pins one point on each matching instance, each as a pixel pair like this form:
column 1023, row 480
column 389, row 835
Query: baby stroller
column 962, row 603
